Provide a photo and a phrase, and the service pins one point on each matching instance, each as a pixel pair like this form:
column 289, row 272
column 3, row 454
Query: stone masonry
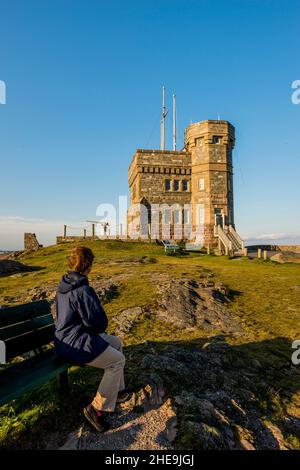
column 30, row 242
column 194, row 187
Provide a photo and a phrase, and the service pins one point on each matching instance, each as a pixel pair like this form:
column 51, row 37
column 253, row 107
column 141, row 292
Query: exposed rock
column 41, row 293
column 106, row 289
column 188, row 303
column 238, row 407
column 203, row 410
column 172, row 429
column 150, row 396
column 286, row 257
column 77, row 440
column 244, row 438
column 277, row 434
column 127, row 319
column 246, row 445
column 200, row 436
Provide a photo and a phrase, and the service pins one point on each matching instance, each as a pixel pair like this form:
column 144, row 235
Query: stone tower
column 190, row 191
column 210, row 144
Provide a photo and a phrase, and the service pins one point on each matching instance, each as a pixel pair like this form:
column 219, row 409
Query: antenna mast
column 162, row 124
column 174, row 122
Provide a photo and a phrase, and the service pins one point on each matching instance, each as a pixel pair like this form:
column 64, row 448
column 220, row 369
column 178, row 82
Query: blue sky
column 83, row 84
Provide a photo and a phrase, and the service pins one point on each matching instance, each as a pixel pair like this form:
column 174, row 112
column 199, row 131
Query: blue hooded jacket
column 80, row 320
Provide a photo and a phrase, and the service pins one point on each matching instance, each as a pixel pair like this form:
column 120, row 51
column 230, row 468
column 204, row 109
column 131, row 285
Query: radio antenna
column 174, row 122
column 162, row 124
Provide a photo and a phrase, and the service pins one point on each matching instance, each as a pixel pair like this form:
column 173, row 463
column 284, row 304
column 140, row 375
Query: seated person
column 80, row 337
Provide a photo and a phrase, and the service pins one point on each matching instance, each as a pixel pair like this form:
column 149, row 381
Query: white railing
column 219, row 232
column 236, row 236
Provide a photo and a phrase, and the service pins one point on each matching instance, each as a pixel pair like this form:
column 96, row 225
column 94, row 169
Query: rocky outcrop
column 286, row 257
column 200, row 303
column 215, row 397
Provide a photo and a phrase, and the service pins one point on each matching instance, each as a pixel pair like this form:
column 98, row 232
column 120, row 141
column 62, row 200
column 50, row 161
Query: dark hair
column 81, row 259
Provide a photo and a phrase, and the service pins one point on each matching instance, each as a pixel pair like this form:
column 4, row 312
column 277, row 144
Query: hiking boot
column 124, row 395
column 96, row 418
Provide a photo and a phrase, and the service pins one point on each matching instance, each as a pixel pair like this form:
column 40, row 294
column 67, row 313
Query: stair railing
column 223, row 238
column 236, row 236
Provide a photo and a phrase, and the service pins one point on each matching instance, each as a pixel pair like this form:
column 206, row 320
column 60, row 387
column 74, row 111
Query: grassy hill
column 262, row 298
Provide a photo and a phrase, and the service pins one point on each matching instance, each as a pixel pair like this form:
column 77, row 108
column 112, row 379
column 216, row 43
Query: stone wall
column 30, row 242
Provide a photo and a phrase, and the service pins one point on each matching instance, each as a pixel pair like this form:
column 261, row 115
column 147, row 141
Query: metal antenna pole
column 174, row 122
column 162, row 128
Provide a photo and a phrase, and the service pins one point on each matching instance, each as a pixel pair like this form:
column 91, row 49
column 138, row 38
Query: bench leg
column 63, row 382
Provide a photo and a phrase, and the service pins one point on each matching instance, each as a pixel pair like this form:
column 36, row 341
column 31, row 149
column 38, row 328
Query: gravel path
column 150, row 430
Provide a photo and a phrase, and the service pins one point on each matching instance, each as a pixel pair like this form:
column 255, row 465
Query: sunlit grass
column 264, row 296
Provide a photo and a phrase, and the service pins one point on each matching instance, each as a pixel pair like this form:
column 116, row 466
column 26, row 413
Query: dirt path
column 150, row 430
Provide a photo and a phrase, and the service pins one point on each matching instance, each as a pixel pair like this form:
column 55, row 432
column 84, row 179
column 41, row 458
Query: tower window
column 217, row 139
column 177, row 214
column 176, row 185
column 167, row 185
column 201, row 184
column 186, row 215
column 167, row 216
column 184, row 185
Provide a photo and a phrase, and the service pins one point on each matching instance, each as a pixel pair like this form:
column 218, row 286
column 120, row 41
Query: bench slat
column 19, row 313
column 27, row 375
column 29, row 341
column 17, row 329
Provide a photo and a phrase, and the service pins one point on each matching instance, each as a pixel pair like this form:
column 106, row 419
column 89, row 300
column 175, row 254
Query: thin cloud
column 273, row 236
column 12, row 229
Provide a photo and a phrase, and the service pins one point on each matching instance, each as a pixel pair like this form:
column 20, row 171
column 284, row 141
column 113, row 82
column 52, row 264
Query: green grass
column 263, row 297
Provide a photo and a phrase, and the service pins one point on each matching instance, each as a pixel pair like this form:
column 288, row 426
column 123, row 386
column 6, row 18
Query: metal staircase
column 229, row 241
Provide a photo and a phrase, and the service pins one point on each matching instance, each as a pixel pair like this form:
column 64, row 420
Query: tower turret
column 210, row 144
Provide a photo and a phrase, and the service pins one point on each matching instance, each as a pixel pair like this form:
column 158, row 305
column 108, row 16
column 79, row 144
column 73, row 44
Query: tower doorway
column 219, row 219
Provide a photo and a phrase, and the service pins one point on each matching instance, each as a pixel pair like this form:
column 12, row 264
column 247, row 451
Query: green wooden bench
column 170, row 245
column 25, row 328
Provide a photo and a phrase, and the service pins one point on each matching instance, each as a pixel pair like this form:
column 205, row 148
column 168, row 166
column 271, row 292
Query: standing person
column 80, row 337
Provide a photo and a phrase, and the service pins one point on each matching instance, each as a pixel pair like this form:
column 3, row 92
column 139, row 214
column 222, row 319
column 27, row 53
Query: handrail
column 223, row 237
column 236, row 235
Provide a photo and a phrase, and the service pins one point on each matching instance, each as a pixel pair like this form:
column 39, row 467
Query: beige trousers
column 112, row 360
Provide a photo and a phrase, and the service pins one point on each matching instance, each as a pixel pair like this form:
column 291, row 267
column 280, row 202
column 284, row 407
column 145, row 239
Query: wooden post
column 208, row 249
column 84, row 233
column 226, row 250
column 93, row 231
column 245, row 251
column 265, row 255
column 259, row 253
column 65, row 231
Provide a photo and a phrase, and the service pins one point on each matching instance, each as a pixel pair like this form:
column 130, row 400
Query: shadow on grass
column 249, row 384
column 232, row 294
column 13, row 268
